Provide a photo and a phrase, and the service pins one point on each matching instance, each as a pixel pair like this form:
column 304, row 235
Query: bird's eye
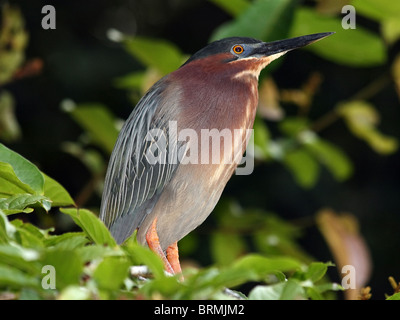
column 238, row 49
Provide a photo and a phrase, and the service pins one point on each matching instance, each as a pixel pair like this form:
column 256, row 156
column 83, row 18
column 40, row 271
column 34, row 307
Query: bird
column 160, row 180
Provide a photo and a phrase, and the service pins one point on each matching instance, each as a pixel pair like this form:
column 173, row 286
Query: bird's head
column 248, row 54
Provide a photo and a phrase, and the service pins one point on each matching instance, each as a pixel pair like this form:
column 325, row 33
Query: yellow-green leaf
column 9, row 182
column 9, row 127
column 13, row 41
column 91, row 225
column 303, row 166
column 264, row 19
column 332, row 157
column 361, row 118
column 97, row 120
column 156, row 53
column 24, row 203
column 378, row 10
column 233, row 7
column 24, row 170
column 391, row 30
column 226, row 247
column 56, row 192
column 111, row 272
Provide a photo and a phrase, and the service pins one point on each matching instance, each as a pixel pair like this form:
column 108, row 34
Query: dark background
column 80, row 63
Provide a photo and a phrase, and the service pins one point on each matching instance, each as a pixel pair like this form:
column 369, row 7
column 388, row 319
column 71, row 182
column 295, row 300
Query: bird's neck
column 216, row 96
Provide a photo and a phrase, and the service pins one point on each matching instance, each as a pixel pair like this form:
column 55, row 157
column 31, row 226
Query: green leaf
column 9, row 182
column 67, row 264
column 94, row 252
column 56, row 193
column 316, row 270
column 20, row 258
column 28, row 235
column 271, row 292
column 97, row 120
column 91, row 225
column 67, row 241
column 24, row 203
column 131, row 81
column 7, row 230
column 26, row 185
column 361, row 118
column 156, row 53
column 328, row 287
column 277, row 237
column 378, row 10
column 261, row 266
column 288, row 290
column 10, row 276
column 141, row 255
column 74, row 292
column 37, row 232
column 233, row 7
column 293, row 126
column 265, row 20
column 211, row 280
column 395, row 296
column 24, row 170
column 13, row 41
column 226, row 247
column 111, row 273
column 9, row 128
column 391, row 30
column 314, row 294
column 332, row 157
column 261, row 139
column 292, row 290
column 167, row 287
column 303, row 166
column 354, row 47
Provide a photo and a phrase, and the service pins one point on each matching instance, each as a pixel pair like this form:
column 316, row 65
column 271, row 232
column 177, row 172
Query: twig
column 373, row 88
column 143, row 272
column 365, row 93
column 325, row 121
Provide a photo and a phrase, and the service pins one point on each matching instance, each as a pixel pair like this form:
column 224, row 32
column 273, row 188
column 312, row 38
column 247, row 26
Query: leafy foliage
column 87, row 271
column 88, row 264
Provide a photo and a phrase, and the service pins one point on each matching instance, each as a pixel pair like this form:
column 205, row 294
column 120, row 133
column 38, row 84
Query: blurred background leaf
column 266, row 20
column 97, row 121
column 155, row 53
column 359, row 48
column 9, row 127
column 13, row 40
column 341, row 232
column 362, row 119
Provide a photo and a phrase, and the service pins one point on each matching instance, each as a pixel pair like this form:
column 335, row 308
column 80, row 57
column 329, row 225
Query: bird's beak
column 275, row 49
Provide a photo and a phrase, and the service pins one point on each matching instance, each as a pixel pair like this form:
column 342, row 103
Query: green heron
column 164, row 200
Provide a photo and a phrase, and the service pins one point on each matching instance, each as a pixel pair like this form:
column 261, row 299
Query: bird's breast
column 215, row 119
column 217, row 101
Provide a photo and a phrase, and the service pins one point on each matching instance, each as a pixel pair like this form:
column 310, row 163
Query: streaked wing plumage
column 134, row 180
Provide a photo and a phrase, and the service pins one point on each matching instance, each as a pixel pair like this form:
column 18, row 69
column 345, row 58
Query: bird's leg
column 173, row 257
column 154, row 244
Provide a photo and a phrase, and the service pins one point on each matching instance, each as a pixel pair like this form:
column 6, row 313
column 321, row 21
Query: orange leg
column 154, row 244
column 173, row 257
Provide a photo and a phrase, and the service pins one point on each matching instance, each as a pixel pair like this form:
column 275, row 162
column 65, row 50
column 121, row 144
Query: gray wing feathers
column 133, row 184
